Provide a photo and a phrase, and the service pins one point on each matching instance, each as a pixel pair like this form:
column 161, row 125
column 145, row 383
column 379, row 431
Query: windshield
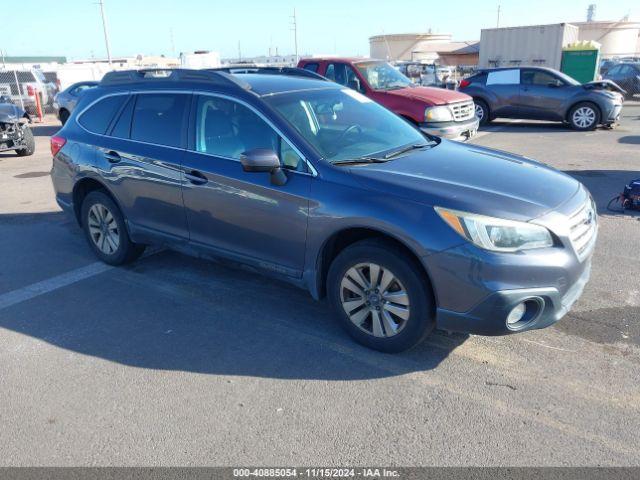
column 566, row 78
column 382, row 76
column 343, row 124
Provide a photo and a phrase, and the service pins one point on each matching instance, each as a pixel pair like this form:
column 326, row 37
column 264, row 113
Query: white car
column 23, row 85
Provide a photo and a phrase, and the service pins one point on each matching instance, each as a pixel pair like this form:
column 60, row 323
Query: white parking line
column 54, row 283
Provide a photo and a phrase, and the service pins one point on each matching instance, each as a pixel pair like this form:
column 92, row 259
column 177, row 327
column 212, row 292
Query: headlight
column 438, row 114
column 495, row 233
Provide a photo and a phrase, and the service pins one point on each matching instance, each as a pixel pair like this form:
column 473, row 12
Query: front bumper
column 614, row 114
column 476, row 289
column 489, row 316
column 467, row 128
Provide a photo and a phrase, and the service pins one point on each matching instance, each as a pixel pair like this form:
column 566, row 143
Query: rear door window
column 98, row 117
column 504, row 77
column 159, row 118
column 312, row 67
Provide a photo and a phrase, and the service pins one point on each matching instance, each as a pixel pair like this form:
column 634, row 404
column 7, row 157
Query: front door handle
column 196, row 177
column 112, row 157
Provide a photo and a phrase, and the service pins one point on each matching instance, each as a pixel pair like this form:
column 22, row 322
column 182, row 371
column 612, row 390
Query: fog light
column 516, row 314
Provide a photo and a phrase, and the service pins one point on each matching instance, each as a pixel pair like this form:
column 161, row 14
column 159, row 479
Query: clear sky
column 73, row 28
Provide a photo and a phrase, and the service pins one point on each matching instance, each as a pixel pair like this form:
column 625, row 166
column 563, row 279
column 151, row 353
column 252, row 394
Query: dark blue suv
column 318, row 185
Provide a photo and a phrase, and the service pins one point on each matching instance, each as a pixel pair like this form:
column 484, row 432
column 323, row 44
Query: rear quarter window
column 98, row 116
column 503, row 77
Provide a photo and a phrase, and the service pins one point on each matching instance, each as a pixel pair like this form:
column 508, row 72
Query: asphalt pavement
column 178, row 361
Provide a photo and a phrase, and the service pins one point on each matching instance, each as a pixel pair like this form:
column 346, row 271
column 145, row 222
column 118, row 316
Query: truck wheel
column 584, row 116
column 29, row 143
column 106, row 232
column 380, row 296
column 482, row 111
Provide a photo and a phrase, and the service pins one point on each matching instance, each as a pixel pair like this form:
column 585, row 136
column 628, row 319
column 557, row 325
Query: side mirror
column 266, row 161
column 354, row 84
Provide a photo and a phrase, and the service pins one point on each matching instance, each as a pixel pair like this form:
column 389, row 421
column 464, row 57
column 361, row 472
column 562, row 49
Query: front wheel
column 482, row 112
column 381, row 296
column 106, row 232
column 584, row 116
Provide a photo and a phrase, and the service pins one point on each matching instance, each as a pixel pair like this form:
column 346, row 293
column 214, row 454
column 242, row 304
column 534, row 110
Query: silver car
column 65, row 101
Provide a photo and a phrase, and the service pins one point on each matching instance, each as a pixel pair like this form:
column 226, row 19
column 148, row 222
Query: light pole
column 104, row 27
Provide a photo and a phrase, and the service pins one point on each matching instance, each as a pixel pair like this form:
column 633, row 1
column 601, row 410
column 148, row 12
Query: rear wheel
column 482, row 111
column 381, row 296
column 29, row 143
column 584, row 116
column 106, row 232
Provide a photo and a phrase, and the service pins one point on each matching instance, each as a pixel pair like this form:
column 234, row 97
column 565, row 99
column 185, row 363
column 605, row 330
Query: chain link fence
column 28, row 89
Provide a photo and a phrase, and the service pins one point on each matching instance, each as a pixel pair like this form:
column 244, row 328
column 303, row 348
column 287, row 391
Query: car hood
column 473, row 179
column 430, row 95
column 605, row 84
column 9, row 113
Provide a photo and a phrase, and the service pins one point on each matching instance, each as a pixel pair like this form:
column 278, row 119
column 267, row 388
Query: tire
column 584, row 116
column 64, row 116
column 482, row 111
column 29, row 143
column 100, row 214
column 404, row 307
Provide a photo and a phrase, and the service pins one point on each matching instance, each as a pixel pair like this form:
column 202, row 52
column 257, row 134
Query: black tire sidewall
column 485, row 118
column 421, row 320
column 125, row 252
column 64, row 116
column 585, row 104
column 29, row 143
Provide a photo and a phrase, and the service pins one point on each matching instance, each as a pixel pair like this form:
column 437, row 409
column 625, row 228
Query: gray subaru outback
column 317, row 185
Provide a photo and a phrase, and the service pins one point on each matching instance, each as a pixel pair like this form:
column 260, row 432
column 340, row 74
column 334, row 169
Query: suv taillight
column 464, row 83
column 31, row 91
column 56, row 144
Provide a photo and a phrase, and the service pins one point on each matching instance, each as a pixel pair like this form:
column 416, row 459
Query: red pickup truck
column 440, row 112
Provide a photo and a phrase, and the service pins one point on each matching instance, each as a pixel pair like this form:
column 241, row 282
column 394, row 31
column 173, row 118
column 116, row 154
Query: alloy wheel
column 479, row 112
column 103, row 229
column 375, row 300
column 584, row 117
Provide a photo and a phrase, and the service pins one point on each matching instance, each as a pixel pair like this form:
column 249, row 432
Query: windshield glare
column 382, row 76
column 343, row 124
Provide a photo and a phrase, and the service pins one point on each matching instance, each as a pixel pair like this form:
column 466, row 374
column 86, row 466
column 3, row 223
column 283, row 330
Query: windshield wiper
column 356, row 161
column 406, row 149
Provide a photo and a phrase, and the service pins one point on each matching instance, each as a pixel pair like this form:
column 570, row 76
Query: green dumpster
column 580, row 60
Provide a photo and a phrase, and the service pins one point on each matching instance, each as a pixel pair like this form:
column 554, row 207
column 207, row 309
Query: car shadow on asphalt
column 630, row 139
column 168, row 311
column 605, row 185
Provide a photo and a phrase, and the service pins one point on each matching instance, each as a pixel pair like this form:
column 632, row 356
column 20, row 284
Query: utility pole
column 106, row 32
column 239, row 52
column 173, row 43
column 294, row 26
column 498, row 20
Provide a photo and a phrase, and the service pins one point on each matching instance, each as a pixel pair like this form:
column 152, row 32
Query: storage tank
column 537, row 45
column 617, row 39
column 400, row 46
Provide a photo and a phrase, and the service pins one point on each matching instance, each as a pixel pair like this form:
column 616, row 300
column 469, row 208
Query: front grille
column 583, row 225
column 463, row 111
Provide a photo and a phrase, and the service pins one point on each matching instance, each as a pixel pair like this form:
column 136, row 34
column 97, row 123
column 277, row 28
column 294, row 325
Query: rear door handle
column 112, row 157
column 196, row 177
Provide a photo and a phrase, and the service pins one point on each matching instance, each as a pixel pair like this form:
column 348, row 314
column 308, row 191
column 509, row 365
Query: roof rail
column 123, row 77
column 292, row 71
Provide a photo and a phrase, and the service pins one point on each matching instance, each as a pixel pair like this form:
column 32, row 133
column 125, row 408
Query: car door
column 237, row 214
column 502, row 90
column 141, row 155
column 542, row 95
